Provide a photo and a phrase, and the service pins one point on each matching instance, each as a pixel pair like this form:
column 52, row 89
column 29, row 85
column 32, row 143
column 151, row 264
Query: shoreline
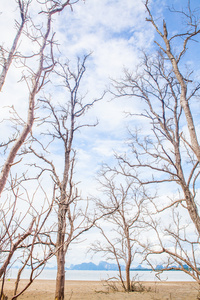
column 42, row 289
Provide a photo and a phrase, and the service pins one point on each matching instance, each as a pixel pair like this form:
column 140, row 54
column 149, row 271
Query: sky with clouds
column 114, row 32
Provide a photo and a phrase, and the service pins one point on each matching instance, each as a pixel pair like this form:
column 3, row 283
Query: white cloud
column 114, row 31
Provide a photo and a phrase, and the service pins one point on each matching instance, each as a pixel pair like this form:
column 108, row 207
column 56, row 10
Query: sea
column 49, row 274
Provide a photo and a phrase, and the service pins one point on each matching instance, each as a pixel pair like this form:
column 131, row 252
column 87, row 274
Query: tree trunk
column 19, row 142
column 183, row 98
column 60, row 278
column 192, row 209
column 128, row 282
column 36, row 85
column 128, row 264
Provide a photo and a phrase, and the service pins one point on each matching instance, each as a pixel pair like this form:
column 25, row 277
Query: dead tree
column 167, row 46
column 8, row 56
column 18, row 235
column 65, row 120
column 22, row 235
column 173, row 245
column 44, row 62
column 164, row 159
column 121, row 204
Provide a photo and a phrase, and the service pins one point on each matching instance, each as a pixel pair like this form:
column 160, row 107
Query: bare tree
column 63, row 123
column 121, row 204
column 169, row 50
column 22, row 236
column 7, row 56
column 164, row 160
column 43, row 61
column 173, row 245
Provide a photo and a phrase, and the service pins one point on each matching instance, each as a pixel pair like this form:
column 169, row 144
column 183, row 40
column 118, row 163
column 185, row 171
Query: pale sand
column 97, row 290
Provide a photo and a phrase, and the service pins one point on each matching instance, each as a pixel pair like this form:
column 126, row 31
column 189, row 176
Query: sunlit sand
column 95, row 290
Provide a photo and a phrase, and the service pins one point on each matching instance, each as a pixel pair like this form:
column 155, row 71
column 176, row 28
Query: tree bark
column 192, row 209
column 128, row 263
column 128, row 283
column 60, row 278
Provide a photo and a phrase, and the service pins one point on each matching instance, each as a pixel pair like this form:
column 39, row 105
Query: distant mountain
column 159, row 267
column 140, row 268
column 105, row 266
column 102, row 266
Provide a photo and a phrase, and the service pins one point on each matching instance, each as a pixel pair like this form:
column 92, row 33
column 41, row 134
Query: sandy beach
column 98, row 290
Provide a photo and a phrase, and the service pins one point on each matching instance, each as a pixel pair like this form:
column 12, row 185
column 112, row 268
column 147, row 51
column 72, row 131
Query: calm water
column 101, row 275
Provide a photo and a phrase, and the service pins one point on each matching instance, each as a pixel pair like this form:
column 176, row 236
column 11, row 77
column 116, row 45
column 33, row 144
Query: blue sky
column 114, row 32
